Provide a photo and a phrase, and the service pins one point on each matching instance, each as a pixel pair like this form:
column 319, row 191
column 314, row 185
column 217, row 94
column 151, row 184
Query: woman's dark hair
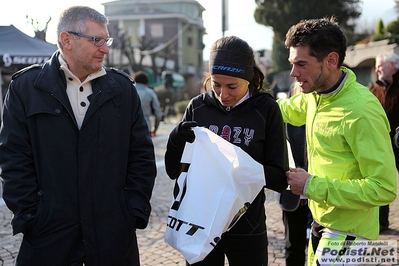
column 323, row 36
column 237, row 45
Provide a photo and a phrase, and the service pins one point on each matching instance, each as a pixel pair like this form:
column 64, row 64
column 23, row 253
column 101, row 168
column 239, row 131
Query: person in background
column 396, row 138
column 351, row 169
column 386, row 89
column 274, row 89
column 370, row 85
column 149, row 101
column 76, row 157
column 236, row 109
column 297, row 217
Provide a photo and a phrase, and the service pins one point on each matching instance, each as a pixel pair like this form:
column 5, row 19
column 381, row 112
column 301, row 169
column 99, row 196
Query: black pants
column 296, row 224
column 254, row 257
column 384, row 216
column 317, row 233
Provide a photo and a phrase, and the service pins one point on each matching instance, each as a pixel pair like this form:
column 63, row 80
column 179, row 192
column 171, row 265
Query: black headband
column 231, row 63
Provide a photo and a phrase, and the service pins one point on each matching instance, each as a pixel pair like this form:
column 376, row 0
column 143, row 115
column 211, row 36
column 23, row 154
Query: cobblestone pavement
column 153, row 249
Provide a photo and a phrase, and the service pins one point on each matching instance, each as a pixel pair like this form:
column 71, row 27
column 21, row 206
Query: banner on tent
column 8, row 60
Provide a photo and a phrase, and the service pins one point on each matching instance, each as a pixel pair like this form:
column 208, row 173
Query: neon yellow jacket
column 350, row 156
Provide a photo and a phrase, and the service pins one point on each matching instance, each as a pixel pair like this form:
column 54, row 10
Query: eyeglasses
column 97, row 41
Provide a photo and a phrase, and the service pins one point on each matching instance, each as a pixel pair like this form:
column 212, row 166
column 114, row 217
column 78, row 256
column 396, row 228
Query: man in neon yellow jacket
column 351, row 163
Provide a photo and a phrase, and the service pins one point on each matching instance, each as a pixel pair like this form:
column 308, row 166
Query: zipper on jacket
column 228, row 108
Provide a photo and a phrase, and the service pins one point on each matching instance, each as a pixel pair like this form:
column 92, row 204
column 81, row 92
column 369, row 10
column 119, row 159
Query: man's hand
column 296, row 178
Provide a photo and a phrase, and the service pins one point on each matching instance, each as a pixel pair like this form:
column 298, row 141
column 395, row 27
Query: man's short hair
column 323, row 36
column 141, row 77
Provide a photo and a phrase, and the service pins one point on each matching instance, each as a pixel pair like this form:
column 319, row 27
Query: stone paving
column 153, row 249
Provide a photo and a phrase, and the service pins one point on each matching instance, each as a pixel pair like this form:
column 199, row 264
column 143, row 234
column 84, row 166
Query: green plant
column 380, row 29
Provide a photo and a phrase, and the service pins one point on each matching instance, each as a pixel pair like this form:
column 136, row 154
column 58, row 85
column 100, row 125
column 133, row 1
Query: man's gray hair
column 74, row 18
column 392, row 57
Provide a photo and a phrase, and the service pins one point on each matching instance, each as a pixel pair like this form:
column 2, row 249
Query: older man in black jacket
column 76, row 155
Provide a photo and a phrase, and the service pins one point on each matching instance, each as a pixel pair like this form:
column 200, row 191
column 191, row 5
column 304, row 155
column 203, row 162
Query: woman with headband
column 235, row 108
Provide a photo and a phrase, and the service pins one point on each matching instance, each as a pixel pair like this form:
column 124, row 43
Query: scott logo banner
column 219, row 183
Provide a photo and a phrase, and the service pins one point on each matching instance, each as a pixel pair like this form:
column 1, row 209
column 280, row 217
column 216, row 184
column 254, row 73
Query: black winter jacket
column 63, row 183
column 257, row 127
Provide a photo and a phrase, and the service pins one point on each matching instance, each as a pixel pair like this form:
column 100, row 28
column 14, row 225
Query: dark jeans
column 236, row 257
column 296, row 223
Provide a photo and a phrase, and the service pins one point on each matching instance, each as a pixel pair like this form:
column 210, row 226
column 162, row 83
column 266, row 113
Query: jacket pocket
column 126, row 210
column 35, row 219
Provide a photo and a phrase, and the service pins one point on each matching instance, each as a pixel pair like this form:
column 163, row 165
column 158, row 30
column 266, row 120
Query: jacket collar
column 52, row 79
column 71, row 76
column 386, row 85
column 249, row 104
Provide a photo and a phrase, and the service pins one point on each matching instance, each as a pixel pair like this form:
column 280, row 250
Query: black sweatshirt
column 256, row 126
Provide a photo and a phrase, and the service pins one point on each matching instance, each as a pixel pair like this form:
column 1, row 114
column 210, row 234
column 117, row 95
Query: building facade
column 164, row 33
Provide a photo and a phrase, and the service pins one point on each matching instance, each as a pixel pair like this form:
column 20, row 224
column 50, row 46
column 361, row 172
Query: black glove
column 183, row 133
column 396, row 138
column 186, row 132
